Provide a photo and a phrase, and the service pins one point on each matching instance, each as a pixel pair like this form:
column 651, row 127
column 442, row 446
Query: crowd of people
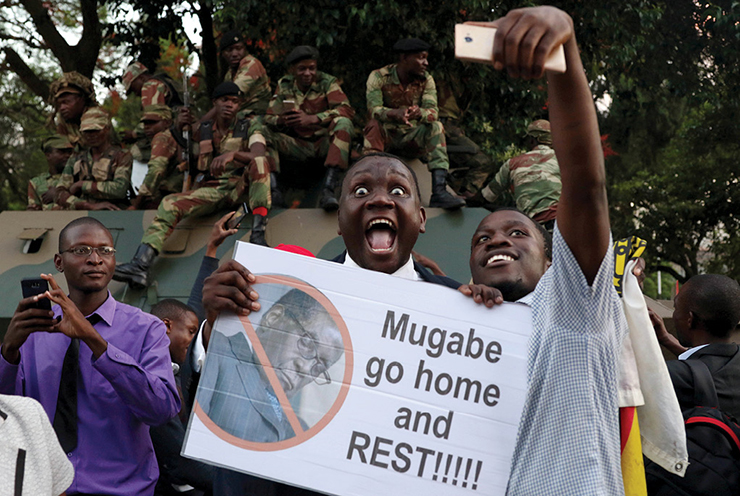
column 103, row 370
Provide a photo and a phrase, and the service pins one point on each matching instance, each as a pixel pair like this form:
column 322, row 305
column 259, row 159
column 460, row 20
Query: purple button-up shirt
column 120, row 394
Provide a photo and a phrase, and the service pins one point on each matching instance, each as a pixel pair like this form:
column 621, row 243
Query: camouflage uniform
column 252, row 80
column 39, row 185
column 163, row 176
column 330, row 138
column 106, row 179
column 213, row 194
column 425, row 136
column 531, row 181
column 470, row 168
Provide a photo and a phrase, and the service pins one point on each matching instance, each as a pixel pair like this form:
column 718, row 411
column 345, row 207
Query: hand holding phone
column 474, row 43
column 238, row 217
column 32, row 286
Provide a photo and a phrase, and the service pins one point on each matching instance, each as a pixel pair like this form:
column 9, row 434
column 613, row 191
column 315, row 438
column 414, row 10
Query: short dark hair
column 170, row 308
column 714, row 299
column 302, row 306
column 81, row 221
column 546, row 236
column 394, row 157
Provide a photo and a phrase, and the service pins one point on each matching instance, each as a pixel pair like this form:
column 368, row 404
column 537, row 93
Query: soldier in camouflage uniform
column 402, row 103
column 309, row 116
column 98, row 178
column 42, row 188
column 71, row 95
column 163, row 176
column 247, row 73
column 155, row 89
column 231, row 172
column 158, row 89
column 530, row 181
column 470, row 168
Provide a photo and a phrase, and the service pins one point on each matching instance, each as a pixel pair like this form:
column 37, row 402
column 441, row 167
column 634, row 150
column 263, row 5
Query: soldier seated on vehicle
column 470, row 168
column 42, row 188
column 163, row 176
column 98, row 178
column 231, row 172
column 402, row 103
column 71, row 95
column 530, row 181
column 309, row 116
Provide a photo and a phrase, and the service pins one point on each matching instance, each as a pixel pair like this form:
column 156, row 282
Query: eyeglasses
column 308, row 349
column 86, row 251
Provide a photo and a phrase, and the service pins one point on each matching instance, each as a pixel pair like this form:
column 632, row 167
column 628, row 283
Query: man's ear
column 274, row 314
column 58, row 262
column 167, row 324
column 423, row 216
column 692, row 320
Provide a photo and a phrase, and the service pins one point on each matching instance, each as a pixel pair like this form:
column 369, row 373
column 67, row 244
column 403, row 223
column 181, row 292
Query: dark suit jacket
column 723, row 361
column 425, row 274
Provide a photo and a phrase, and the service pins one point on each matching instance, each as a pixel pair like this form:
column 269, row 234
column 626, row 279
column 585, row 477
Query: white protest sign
column 372, row 384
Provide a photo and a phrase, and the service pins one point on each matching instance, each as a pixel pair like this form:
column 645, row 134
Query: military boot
column 136, row 272
column 275, row 192
column 441, row 198
column 328, row 201
column 259, row 224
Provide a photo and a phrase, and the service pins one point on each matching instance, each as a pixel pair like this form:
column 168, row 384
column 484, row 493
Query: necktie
column 65, row 417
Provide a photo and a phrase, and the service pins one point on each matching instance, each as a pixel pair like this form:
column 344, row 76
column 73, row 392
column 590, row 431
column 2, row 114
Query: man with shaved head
column 707, row 311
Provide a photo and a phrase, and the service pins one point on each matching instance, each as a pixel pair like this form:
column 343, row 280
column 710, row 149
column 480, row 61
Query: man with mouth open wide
column 100, row 369
column 380, row 218
column 568, row 440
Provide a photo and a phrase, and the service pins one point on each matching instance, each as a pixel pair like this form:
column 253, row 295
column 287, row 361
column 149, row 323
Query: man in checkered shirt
column 568, row 440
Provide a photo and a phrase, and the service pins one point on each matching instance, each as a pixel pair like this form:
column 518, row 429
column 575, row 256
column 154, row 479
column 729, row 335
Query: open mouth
column 381, row 235
column 499, row 259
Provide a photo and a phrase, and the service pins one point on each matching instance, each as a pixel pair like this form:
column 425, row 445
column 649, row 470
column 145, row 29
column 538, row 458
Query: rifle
column 186, row 150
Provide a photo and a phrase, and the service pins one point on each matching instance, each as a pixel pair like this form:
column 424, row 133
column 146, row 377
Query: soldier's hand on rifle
column 218, row 166
column 298, row 118
column 184, row 118
column 128, row 137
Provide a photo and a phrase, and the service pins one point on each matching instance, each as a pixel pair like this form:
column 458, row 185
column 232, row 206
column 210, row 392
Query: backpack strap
column 241, row 129
column 705, row 394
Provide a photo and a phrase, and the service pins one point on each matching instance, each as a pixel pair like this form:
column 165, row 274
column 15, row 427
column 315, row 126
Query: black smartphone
column 32, row 286
column 238, row 217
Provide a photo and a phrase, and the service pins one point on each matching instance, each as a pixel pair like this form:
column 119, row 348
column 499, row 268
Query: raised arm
column 524, row 39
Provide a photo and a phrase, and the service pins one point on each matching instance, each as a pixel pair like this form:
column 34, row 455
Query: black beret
column 411, row 45
column 230, row 38
column 227, row 88
column 302, row 52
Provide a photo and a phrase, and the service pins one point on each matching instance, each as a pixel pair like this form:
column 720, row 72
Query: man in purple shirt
column 121, row 375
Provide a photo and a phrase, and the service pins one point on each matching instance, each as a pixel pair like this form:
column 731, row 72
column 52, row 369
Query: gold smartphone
column 475, row 44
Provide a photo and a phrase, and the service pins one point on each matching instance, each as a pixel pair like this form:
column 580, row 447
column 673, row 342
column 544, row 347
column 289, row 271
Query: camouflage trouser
column 470, row 168
column 335, row 146
column 219, row 194
column 169, row 185
column 425, row 138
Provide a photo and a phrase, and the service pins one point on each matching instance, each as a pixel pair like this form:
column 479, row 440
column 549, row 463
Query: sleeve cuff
column 257, row 138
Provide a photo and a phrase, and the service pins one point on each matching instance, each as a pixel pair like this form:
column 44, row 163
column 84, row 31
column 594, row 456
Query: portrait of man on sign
column 271, row 379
